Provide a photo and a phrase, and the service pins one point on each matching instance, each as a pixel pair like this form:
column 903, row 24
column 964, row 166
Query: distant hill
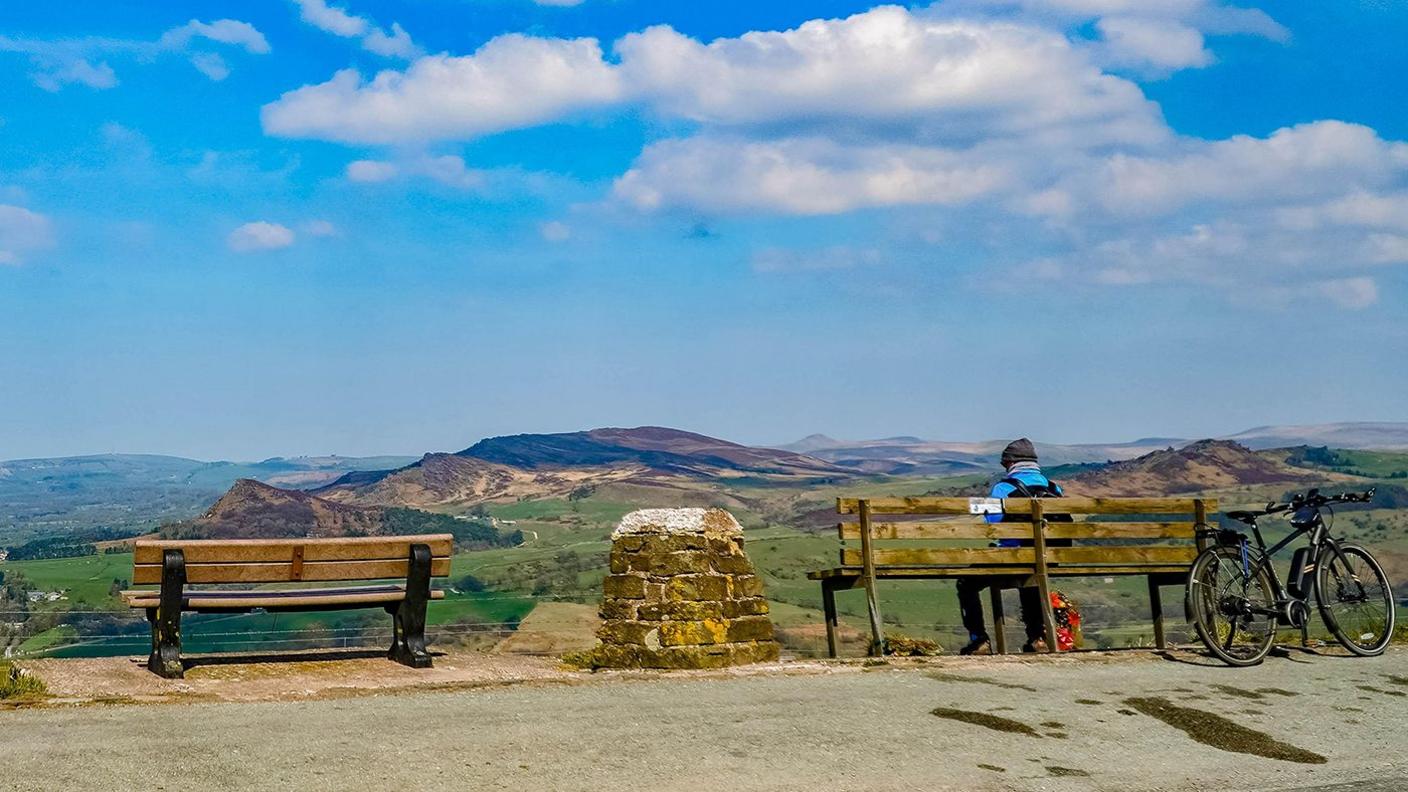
column 654, row 447
column 55, row 496
column 555, row 465
column 913, row 456
column 898, row 456
column 1384, row 436
column 253, row 510
column 1203, row 465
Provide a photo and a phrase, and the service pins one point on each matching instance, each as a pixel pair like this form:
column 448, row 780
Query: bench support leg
column 828, row 609
column 165, row 659
column 408, row 618
column 999, row 620
column 1156, row 608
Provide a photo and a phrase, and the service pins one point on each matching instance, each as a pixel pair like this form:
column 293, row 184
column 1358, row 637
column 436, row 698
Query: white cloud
column 98, row 76
column 211, row 65
column 371, row 171
column 1386, row 249
column 320, row 228
column 223, row 31
column 555, row 231
column 1160, row 43
column 805, row 176
column 331, row 19
column 260, row 235
column 1360, row 292
column 512, row 81
column 448, row 170
column 1295, row 162
column 341, row 22
column 947, row 79
column 80, row 61
column 22, row 231
column 1145, row 35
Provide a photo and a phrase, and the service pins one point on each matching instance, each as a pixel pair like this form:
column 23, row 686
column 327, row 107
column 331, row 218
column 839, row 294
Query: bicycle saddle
column 1242, row 516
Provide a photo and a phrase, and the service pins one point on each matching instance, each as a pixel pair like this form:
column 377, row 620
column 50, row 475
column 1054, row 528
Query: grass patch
column 18, row 684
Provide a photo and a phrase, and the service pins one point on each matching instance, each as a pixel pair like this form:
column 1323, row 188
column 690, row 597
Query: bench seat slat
column 935, row 557
column 1122, row 556
column 948, row 573
column 292, row 598
column 147, row 574
column 249, row 551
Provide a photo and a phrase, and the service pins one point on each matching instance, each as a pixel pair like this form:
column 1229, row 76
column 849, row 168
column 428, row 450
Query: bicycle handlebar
column 1313, row 499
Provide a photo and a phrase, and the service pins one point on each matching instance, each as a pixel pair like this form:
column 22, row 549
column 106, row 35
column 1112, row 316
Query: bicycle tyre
column 1205, row 594
column 1364, row 638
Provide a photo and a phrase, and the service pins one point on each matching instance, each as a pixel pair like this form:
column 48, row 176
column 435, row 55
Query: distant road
column 850, row 729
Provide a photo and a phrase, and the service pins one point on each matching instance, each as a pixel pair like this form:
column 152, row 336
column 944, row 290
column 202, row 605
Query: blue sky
column 236, row 230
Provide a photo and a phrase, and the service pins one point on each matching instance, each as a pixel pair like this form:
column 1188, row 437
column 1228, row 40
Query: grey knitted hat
column 1018, row 451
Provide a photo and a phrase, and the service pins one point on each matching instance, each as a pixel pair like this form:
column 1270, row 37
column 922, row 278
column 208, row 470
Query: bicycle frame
column 1320, row 539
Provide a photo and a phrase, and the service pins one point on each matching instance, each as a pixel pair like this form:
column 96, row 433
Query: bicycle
column 1236, row 602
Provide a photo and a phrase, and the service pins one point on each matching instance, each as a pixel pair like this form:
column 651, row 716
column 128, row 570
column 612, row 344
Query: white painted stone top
column 714, row 522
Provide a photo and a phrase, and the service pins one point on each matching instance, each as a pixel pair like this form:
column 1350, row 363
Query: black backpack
column 1050, row 490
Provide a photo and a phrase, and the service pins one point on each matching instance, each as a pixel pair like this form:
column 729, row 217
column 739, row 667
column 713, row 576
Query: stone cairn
column 682, row 594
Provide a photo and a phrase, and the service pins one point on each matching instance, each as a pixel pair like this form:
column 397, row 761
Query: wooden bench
column 173, row 564
column 1152, row 537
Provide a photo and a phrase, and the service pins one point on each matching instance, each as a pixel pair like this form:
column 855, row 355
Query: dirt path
column 1134, row 721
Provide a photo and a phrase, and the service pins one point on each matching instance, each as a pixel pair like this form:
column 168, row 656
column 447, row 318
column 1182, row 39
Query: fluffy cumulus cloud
column 258, row 236
column 1023, row 116
column 512, row 81
column 395, row 43
column 59, row 63
column 22, row 231
column 804, row 176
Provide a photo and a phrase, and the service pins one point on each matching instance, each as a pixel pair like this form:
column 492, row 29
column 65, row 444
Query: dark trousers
column 970, row 607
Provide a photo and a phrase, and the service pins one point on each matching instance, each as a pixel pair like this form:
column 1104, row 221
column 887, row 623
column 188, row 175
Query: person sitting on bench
column 1024, row 479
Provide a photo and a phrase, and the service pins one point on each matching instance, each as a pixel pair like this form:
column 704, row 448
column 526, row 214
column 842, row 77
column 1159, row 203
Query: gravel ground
column 1067, row 723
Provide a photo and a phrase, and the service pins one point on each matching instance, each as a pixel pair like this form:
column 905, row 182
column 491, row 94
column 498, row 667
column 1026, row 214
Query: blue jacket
column 1029, row 475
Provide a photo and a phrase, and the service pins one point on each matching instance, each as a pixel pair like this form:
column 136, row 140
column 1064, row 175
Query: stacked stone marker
column 682, row 594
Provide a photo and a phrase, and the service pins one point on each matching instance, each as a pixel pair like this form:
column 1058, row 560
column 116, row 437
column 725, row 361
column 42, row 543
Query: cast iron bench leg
column 408, row 618
column 165, row 659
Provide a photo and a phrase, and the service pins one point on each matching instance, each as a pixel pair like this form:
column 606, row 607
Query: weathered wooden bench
column 174, row 563
column 1153, row 537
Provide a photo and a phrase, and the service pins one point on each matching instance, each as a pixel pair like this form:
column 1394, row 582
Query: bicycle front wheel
column 1231, row 602
column 1355, row 599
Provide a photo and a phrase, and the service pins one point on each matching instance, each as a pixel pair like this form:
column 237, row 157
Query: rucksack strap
column 1023, row 491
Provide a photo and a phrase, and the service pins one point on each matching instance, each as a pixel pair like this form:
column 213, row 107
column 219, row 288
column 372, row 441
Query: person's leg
column 970, row 609
column 1031, row 613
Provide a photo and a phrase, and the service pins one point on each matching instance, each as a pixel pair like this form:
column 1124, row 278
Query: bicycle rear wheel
column 1230, row 600
column 1355, row 599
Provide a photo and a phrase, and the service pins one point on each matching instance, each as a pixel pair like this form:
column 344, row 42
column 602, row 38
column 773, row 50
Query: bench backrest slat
column 1023, row 505
column 1124, row 541
column 978, row 529
column 290, row 560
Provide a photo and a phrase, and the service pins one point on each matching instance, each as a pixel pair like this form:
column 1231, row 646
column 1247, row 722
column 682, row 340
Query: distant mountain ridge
column 913, row 456
column 544, row 465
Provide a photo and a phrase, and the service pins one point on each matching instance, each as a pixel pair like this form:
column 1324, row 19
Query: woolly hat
column 1018, row 451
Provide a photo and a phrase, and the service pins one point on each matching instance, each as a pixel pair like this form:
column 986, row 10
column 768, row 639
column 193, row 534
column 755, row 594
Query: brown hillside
column 1204, row 465
column 439, row 479
column 253, row 510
